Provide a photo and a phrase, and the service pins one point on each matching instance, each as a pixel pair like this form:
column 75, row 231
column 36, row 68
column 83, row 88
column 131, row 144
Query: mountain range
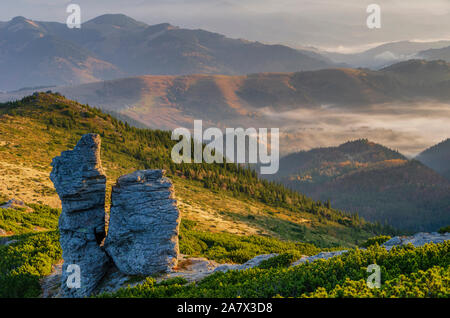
column 389, row 53
column 167, row 102
column 114, row 45
column 377, row 182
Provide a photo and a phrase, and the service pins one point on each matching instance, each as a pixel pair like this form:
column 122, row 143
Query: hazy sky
column 333, row 24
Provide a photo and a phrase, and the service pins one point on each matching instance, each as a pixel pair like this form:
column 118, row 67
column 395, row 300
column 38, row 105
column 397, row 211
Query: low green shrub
column 376, row 240
column 445, row 229
column 22, row 264
column 282, row 260
column 320, row 278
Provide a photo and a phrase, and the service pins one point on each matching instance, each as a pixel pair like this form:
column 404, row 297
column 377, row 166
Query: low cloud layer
column 408, row 128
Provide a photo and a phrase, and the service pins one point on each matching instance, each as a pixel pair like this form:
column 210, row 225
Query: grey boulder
column 80, row 183
column 144, row 221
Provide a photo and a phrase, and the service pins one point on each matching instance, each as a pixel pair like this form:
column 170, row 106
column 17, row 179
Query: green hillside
column 39, row 127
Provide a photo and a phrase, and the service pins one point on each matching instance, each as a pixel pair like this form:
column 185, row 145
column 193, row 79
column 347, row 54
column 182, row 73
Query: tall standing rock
column 80, row 183
column 144, row 220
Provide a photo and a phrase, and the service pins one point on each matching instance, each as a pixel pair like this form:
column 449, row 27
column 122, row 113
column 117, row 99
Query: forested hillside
column 39, row 127
column 379, row 183
column 437, row 158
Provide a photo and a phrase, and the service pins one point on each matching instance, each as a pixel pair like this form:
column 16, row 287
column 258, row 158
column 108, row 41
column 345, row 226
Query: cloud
column 410, row 128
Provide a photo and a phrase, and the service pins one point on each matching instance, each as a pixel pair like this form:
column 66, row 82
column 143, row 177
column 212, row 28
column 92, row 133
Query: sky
column 335, row 25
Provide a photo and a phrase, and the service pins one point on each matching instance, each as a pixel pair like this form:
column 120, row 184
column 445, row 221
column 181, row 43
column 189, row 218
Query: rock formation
column 143, row 227
column 254, row 262
column 80, row 183
column 322, row 255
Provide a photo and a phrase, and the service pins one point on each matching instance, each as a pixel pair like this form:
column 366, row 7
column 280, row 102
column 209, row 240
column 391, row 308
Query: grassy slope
column 37, row 129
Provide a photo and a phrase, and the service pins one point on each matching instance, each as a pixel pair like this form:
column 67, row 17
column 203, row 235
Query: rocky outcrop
column 15, row 204
column 254, row 262
column 192, row 269
column 417, row 239
column 322, row 255
column 143, row 226
column 80, row 183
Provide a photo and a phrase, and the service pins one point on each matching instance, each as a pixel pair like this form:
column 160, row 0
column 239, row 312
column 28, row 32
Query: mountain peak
column 369, row 151
column 19, row 24
column 19, row 20
column 119, row 20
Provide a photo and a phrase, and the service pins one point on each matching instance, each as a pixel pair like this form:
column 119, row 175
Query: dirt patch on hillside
column 27, row 184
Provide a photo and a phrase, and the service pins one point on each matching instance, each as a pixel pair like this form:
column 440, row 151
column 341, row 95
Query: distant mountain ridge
column 389, row 53
column 167, row 102
column 114, row 45
column 170, row 101
column 31, row 55
column 378, row 183
column 348, row 156
column 436, row 54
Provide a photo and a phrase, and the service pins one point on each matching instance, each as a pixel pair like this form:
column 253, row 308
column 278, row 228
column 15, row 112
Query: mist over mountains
column 403, row 106
column 389, row 53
